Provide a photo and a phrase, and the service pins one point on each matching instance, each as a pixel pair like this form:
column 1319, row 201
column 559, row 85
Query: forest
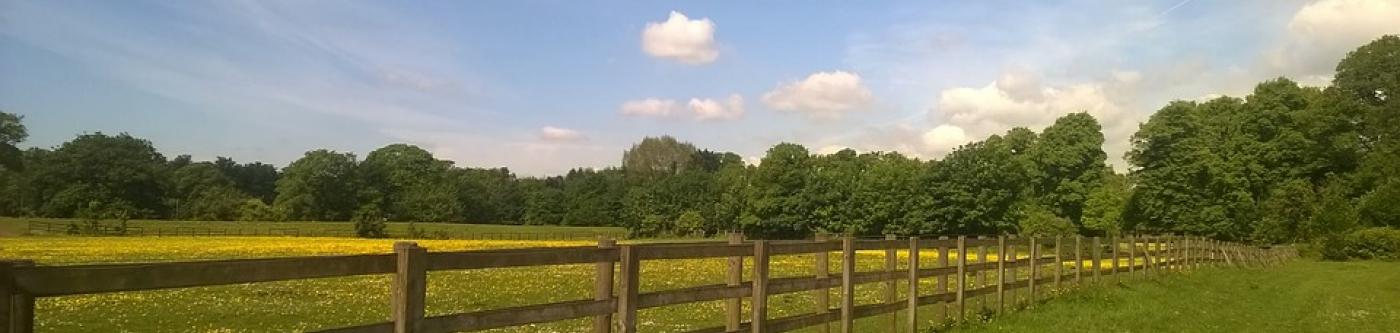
column 1284, row 164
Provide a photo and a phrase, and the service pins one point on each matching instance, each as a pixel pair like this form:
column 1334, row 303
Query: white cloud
column 1322, row 32
column 822, row 95
column 558, row 134
column 943, row 139
column 681, row 39
column 967, row 114
column 709, row 109
column 651, row 107
column 831, row 149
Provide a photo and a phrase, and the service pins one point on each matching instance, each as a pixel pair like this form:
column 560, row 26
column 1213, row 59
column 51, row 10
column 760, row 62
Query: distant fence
column 44, row 227
column 617, row 298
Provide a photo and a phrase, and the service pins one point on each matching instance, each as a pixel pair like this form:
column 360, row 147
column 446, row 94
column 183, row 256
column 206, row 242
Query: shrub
column 1374, row 243
column 1379, row 208
column 369, row 222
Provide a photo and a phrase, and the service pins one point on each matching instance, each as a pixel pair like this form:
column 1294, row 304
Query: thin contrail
column 1169, row 10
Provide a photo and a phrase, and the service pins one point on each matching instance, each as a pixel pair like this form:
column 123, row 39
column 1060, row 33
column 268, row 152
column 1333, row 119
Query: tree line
column 1286, row 163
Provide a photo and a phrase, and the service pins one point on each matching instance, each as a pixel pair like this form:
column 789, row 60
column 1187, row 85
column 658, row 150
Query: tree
column 1068, row 159
column 690, row 223
column 593, row 197
column 1286, row 213
column 321, row 185
column 409, row 184
column 492, row 196
column 256, row 179
column 1368, row 88
column 777, row 203
column 1040, row 221
column 201, row 192
column 659, row 155
column 1381, row 207
column 99, row 175
column 1103, row 209
column 12, row 132
column 977, row 189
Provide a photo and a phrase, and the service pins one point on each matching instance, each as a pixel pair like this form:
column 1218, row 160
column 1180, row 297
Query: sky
column 541, row 87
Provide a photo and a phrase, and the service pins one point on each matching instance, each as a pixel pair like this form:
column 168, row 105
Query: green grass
column 18, row 226
column 1303, row 296
column 336, row 302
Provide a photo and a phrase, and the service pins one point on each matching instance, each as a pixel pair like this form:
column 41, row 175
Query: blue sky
column 544, row 86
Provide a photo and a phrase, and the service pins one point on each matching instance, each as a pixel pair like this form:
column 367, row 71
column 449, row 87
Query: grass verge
column 1303, row 296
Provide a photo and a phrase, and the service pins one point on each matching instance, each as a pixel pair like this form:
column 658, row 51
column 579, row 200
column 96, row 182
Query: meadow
column 335, row 302
column 1301, row 296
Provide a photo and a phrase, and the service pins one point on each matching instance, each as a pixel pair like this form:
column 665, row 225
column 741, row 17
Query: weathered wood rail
column 1028, row 270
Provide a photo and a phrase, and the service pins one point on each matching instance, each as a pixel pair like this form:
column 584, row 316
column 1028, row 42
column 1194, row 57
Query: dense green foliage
column 1284, row 164
column 1369, row 243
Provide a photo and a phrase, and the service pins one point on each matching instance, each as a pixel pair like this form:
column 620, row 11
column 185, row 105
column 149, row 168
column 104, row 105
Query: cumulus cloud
column 822, row 94
column 966, row 114
column 1322, row 32
column 709, row 109
column 651, row 107
column 942, row 139
column 558, row 134
column 681, row 39
column 700, row 108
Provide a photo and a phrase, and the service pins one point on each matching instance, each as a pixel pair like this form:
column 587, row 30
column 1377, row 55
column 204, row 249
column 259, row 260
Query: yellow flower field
column 335, row 302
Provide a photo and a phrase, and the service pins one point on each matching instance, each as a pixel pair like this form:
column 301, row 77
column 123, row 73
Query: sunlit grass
column 335, row 302
column 1302, row 296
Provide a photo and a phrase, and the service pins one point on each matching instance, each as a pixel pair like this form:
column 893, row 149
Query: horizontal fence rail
column 988, row 273
column 78, row 228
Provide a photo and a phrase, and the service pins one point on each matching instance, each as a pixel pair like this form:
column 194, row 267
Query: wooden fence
column 196, row 229
column 617, row 297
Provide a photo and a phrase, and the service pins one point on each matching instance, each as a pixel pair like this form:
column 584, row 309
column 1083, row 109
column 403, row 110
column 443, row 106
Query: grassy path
column 1304, row 296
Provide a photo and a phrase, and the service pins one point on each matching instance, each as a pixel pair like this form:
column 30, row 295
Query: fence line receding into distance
column 1046, row 264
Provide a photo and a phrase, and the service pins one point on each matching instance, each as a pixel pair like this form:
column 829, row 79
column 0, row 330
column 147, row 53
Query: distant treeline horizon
column 1284, row 164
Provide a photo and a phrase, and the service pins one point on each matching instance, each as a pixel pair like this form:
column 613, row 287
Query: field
column 1303, row 296
column 1354, row 292
column 17, row 226
column 336, row 302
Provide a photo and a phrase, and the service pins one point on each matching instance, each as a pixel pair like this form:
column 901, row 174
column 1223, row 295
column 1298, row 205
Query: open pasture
column 337, row 302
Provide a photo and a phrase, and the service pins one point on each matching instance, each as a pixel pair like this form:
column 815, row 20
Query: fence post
column 760, row 287
column 1078, row 261
column 1030, row 283
column 629, row 285
column 1059, row 262
column 410, row 286
column 962, row 278
column 603, row 287
column 892, row 287
column 823, row 294
column 982, row 273
column 1191, row 245
column 1097, row 251
column 848, row 286
column 1113, row 241
column 16, row 306
column 734, row 307
column 1013, row 270
column 942, row 283
column 21, row 305
column 913, row 318
column 7, row 291
column 1001, row 274
column 1132, row 255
